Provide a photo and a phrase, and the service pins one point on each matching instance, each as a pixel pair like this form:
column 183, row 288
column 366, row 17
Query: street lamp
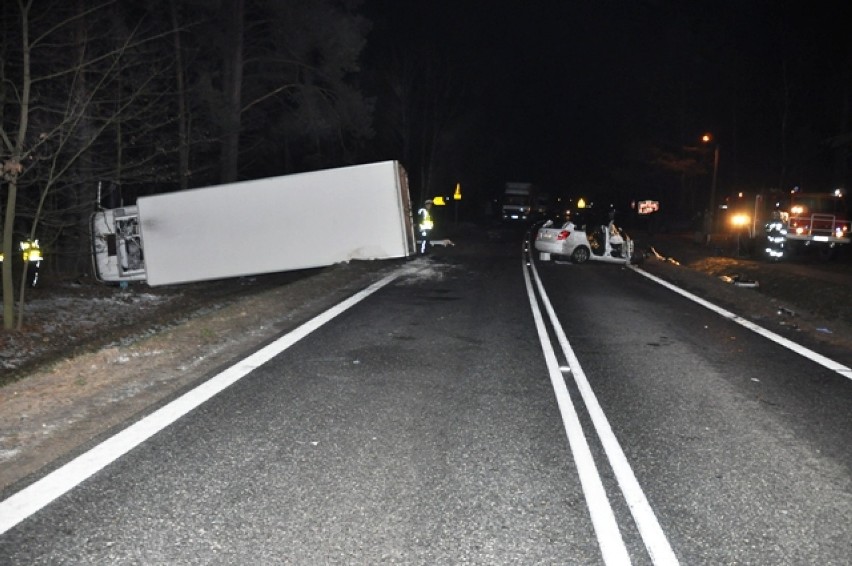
column 708, row 138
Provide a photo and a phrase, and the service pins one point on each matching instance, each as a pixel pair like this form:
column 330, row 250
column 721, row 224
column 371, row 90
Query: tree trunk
column 183, row 129
column 85, row 189
column 8, row 285
column 232, row 89
column 11, row 169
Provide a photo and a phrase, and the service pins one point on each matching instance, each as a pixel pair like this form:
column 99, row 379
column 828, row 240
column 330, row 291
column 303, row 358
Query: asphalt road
column 433, row 423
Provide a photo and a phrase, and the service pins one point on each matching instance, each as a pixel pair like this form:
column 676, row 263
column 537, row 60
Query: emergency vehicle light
column 740, row 220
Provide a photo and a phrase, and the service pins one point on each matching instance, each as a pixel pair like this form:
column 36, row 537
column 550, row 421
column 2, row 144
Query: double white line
column 603, row 519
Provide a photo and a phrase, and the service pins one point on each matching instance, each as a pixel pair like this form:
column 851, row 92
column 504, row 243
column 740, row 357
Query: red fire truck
column 780, row 225
column 809, row 221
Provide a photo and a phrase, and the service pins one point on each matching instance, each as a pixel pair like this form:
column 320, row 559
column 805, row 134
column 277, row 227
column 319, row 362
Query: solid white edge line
column 656, row 542
column 789, row 344
column 36, row 496
column 603, row 519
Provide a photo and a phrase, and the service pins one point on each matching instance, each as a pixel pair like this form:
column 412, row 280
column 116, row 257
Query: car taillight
column 563, row 235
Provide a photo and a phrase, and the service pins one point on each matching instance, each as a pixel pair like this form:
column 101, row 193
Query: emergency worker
column 425, row 225
column 31, row 253
column 776, row 236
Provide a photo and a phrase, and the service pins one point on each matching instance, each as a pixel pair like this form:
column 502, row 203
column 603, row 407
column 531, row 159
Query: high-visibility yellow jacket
column 425, row 220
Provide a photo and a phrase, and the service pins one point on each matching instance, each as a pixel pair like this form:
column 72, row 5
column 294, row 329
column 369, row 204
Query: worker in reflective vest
column 31, row 252
column 424, row 225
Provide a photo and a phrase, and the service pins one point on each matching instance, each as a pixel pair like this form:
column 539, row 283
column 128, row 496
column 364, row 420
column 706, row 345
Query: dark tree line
column 112, row 100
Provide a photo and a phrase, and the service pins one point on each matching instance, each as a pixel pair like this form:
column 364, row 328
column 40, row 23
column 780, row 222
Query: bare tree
column 14, row 154
column 64, row 101
column 232, row 82
column 182, row 113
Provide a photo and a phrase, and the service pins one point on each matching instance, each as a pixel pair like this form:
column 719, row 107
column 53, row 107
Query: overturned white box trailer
column 285, row 223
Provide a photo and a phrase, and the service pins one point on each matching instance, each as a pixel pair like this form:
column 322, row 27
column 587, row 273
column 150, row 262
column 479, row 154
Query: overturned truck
column 284, row 223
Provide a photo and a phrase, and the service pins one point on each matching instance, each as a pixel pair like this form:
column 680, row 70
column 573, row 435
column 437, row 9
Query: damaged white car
column 606, row 243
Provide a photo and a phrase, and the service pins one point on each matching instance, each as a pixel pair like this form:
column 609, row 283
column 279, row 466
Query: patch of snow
column 8, row 454
column 63, row 316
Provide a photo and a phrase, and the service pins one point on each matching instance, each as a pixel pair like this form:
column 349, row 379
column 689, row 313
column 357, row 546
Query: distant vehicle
column 606, row 243
column 519, row 202
column 284, row 223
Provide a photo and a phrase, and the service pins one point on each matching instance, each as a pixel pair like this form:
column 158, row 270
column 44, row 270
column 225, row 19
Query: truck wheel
column 580, row 254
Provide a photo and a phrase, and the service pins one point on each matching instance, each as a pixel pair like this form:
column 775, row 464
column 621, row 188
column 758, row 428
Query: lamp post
column 707, row 138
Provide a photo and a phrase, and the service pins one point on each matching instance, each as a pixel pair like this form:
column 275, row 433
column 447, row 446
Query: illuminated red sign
column 648, row 206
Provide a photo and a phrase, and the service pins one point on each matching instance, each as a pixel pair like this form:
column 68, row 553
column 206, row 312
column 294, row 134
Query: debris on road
column 661, row 257
column 738, row 281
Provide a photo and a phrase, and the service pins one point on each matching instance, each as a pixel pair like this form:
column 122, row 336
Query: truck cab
column 818, row 217
column 117, row 245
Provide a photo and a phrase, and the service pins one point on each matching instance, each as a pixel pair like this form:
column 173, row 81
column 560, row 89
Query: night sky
column 588, row 95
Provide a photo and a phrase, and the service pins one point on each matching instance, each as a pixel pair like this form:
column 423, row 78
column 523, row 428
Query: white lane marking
column 603, row 519
column 31, row 499
column 656, row 542
column 789, row 344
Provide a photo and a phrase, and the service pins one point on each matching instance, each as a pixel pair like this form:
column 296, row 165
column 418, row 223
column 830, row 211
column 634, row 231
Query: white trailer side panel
column 283, row 223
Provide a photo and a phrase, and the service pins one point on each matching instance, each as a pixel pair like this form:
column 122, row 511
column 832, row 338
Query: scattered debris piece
column 824, row 330
column 661, row 257
column 738, row 281
column 784, row 311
